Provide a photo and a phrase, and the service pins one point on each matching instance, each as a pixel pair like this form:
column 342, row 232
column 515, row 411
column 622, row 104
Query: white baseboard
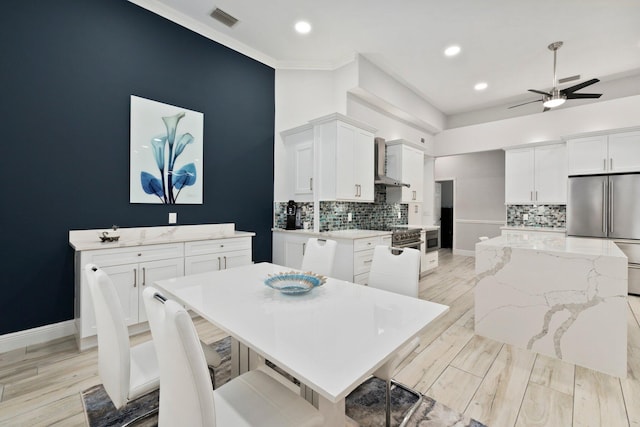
column 38, row 335
column 464, row 252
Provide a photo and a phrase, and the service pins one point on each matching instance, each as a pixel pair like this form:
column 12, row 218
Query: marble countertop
column 84, row 240
column 543, row 242
column 337, row 234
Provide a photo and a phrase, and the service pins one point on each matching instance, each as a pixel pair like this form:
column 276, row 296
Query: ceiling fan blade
column 525, row 103
column 579, row 86
column 540, row 92
column 583, row 95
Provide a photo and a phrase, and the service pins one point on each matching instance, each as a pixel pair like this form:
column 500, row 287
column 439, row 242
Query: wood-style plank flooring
column 495, row 383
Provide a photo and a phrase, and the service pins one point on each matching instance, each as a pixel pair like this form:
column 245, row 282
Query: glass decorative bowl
column 294, row 283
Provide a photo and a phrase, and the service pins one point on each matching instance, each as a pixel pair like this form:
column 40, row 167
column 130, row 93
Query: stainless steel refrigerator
column 608, row 206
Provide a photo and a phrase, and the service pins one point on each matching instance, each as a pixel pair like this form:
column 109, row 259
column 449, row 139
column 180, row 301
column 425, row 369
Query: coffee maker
column 293, row 215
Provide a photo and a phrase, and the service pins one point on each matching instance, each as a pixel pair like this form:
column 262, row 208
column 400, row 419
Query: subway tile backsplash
column 549, row 216
column 334, row 215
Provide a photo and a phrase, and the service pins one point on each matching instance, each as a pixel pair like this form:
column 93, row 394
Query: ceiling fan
column 557, row 97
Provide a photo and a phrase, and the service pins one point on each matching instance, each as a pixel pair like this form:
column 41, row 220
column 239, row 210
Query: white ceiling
column 504, row 42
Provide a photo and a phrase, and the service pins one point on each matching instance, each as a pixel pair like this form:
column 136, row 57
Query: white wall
column 479, row 208
column 549, row 126
column 389, row 127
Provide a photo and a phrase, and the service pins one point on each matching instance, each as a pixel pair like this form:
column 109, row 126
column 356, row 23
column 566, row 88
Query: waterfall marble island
column 565, row 297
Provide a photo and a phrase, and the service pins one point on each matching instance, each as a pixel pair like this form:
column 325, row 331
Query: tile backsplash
column 550, row 216
column 334, row 215
column 280, row 214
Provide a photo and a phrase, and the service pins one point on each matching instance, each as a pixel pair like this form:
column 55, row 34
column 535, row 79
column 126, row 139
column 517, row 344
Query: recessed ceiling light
column 481, row 86
column 452, row 50
column 303, row 27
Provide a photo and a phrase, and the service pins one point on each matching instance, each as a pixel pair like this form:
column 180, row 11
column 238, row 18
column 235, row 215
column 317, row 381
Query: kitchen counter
column 336, row 234
column 83, row 240
column 564, row 297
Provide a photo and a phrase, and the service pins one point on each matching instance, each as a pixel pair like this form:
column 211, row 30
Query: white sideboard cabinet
column 145, row 255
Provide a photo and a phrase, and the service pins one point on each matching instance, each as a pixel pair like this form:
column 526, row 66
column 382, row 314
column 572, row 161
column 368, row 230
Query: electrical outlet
column 525, row 217
column 349, row 217
column 173, row 217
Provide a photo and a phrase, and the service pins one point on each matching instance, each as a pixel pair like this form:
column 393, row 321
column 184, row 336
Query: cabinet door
column 624, row 152
column 293, row 253
column 202, row 263
column 587, row 155
column 413, row 163
column 303, row 167
column 236, row 259
column 550, row 174
column 346, row 188
column 126, row 281
column 519, row 171
column 149, row 272
column 364, row 174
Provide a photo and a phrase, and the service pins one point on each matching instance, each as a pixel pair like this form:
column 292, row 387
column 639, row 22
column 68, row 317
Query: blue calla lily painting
column 166, row 153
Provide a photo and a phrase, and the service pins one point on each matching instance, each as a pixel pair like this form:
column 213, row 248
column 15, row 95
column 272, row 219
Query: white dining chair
column 396, row 270
column 127, row 372
column 319, row 256
column 187, row 397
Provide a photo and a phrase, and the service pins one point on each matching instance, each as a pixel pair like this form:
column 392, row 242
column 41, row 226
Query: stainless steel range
column 406, row 238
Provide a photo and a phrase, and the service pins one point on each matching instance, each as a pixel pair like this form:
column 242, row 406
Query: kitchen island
column 565, row 297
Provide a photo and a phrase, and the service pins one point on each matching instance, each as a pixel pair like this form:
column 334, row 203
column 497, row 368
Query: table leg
column 333, row 412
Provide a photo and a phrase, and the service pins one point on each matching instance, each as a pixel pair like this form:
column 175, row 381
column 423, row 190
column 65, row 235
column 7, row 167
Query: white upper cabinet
column 300, row 162
column 345, row 166
column 613, row 153
column 624, row 152
column 405, row 164
column 536, row 175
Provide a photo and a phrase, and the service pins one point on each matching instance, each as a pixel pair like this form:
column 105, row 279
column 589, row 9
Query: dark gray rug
column 365, row 404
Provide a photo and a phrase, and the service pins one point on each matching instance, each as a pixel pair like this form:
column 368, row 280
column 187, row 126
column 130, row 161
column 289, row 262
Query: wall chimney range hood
column 380, row 150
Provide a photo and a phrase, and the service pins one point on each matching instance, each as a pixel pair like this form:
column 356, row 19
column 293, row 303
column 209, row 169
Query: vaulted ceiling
column 503, row 42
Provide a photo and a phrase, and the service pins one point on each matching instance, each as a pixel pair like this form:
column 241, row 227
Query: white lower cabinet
column 131, row 269
column 213, row 255
column 353, row 256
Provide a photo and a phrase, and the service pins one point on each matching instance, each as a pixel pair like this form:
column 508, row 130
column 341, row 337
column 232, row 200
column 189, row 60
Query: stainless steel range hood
column 380, row 150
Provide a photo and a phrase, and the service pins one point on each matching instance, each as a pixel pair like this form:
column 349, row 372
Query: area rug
column 365, row 404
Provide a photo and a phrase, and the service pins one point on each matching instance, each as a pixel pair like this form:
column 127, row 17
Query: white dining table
column 331, row 339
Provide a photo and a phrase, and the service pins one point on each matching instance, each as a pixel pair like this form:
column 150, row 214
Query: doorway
column 444, row 199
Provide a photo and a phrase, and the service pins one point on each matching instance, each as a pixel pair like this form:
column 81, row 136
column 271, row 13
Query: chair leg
column 415, row 405
column 387, row 401
column 141, row 417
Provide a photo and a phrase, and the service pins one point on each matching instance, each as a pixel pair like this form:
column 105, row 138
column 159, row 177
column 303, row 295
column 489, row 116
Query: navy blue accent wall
column 68, row 70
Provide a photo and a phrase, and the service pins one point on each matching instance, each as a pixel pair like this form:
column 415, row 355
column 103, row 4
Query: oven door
column 412, row 245
column 431, row 240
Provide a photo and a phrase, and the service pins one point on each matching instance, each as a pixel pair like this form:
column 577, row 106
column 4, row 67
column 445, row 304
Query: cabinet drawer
column 364, row 244
column 216, row 246
column 361, row 279
column 118, row 256
column 362, row 262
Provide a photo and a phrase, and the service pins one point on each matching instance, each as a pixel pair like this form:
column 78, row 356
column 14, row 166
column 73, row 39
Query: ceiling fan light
column 553, row 102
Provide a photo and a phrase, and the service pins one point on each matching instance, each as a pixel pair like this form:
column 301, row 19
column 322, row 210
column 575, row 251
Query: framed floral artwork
column 166, row 153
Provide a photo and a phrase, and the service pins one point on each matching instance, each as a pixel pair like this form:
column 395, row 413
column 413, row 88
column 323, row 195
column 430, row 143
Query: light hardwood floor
column 495, row 383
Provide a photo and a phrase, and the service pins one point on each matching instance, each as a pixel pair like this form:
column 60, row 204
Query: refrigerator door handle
column 610, row 206
column 604, row 207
